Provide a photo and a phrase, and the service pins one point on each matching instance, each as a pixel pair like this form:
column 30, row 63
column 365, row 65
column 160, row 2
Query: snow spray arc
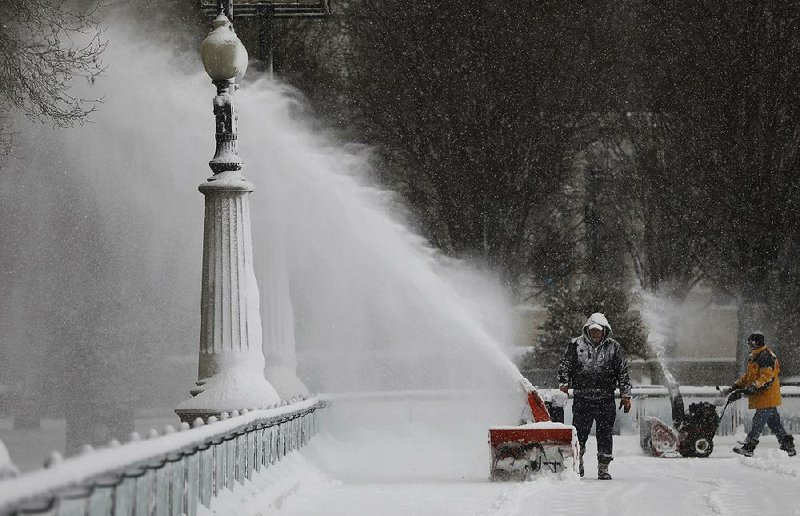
column 377, row 309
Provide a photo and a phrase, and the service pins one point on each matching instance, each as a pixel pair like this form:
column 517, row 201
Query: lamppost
column 231, row 364
column 276, row 310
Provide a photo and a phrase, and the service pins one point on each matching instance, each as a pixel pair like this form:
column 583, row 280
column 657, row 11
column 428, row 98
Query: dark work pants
column 767, row 416
column 603, row 411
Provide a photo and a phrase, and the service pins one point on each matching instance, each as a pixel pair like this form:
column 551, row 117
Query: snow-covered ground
column 418, row 458
column 371, row 463
column 333, row 478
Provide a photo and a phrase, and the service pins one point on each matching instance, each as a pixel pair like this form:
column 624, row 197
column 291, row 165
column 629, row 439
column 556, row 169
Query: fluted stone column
column 230, row 333
column 231, row 365
column 277, row 314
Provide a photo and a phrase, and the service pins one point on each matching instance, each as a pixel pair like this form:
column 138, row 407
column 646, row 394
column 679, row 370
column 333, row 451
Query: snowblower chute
column 519, row 451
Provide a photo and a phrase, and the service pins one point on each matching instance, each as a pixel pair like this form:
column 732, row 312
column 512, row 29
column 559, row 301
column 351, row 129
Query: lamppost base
column 191, row 415
column 229, row 390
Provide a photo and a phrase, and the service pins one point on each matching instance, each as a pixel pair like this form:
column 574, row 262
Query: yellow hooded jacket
column 762, row 373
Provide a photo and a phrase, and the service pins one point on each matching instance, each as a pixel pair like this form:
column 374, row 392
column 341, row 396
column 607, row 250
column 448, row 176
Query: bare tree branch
column 46, row 46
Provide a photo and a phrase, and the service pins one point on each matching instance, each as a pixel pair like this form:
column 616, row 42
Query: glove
column 564, row 388
column 734, row 395
column 625, row 404
column 750, row 389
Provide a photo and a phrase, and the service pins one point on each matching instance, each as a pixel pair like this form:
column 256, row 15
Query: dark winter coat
column 594, row 371
column 762, row 373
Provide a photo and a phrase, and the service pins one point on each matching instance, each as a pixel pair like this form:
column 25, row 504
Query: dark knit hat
column 756, row 338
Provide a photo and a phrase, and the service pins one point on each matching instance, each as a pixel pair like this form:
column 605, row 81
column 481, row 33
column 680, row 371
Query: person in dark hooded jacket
column 594, row 365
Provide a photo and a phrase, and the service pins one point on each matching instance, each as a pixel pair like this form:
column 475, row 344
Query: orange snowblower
column 517, row 452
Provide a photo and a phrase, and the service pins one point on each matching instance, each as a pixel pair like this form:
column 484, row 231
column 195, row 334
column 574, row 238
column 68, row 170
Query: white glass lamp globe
column 224, row 57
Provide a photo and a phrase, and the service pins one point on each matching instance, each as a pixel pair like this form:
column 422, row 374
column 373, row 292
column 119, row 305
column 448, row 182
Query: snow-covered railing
column 167, row 474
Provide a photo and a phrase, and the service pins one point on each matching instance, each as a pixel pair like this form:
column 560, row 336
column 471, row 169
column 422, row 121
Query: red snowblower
column 517, row 452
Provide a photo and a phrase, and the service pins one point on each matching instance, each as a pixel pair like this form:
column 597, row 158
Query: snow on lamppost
column 231, row 366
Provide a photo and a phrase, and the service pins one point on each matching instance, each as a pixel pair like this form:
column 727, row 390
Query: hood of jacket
column 597, row 318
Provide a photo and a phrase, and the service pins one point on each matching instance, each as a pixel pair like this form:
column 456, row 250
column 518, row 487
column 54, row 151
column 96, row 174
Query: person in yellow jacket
column 761, row 384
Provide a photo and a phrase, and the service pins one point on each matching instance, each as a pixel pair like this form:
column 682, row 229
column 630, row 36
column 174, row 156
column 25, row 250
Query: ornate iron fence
column 164, row 475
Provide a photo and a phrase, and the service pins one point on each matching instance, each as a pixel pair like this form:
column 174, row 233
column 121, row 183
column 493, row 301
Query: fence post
column 258, row 443
column 208, row 471
column 161, row 478
column 282, row 434
column 240, row 464
column 192, row 492
column 73, row 502
column 125, row 493
column 101, row 502
column 145, row 492
column 273, row 444
column 220, row 453
column 230, row 462
column 177, row 483
column 250, row 453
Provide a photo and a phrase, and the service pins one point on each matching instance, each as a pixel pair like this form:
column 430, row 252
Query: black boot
column 580, row 463
column 787, row 445
column 602, row 468
column 747, row 448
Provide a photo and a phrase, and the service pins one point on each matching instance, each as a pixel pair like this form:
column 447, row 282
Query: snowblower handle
column 734, row 395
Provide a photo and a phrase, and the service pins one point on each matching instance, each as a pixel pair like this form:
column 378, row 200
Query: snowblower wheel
column 700, row 447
